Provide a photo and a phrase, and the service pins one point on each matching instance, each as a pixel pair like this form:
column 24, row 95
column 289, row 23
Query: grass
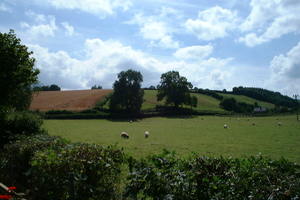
column 202, row 134
column 249, row 100
column 205, row 103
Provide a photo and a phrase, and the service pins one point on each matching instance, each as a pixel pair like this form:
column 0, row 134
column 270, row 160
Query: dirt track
column 74, row 100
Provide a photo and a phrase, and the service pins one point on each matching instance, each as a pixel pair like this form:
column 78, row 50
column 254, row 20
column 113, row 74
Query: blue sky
column 216, row 44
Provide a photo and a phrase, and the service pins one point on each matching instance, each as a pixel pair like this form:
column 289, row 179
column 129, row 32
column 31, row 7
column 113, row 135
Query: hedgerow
column 167, row 177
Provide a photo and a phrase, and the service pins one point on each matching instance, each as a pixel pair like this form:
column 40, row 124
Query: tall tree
column 17, row 72
column 174, row 88
column 127, row 94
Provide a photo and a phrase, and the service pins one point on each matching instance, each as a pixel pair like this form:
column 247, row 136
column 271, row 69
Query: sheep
column 225, row 126
column 147, row 134
column 125, row 135
column 130, row 121
column 279, row 123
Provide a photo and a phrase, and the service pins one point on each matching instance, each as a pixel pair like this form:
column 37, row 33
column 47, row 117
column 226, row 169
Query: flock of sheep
column 253, row 124
column 147, row 134
column 126, row 136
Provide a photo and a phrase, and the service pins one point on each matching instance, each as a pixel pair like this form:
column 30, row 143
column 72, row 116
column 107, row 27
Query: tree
column 127, row 94
column 96, row 87
column 174, row 88
column 17, row 72
column 52, row 87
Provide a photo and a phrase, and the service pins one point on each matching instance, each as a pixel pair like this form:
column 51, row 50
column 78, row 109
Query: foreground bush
column 166, row 177
column 15, row 158
column 19, row 123
column 48, row 167
column 78, row 171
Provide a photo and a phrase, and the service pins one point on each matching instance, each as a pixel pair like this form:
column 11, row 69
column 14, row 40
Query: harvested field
column 73, row 100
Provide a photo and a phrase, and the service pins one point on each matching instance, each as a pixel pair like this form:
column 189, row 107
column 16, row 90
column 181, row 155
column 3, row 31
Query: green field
column 205, row 103
column 201, row 134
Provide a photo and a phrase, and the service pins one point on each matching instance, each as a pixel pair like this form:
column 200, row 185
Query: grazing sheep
column 125, row 135
column 130, row 121
column 279, row 124
column 147, row 134
column 225, row 126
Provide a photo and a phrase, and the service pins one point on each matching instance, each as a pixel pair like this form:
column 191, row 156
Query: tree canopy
column 17, row 72
column 94, row 87
column 52, row 87
column 127, row 94
column 175, row 89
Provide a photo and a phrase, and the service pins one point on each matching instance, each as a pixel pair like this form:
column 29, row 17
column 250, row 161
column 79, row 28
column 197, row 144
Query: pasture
column 201, row 134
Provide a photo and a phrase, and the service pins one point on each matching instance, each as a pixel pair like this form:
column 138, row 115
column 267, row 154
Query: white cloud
column 269, row 20
column 101, row 8
column 69, row 30
column 285, row 71
column 4, row 8
column 102, row 61
column 194, row 52
column 212, row 23
column 158, row 28
column 43, row 25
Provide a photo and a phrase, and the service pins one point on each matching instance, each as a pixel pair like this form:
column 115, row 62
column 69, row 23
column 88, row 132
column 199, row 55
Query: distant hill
column 265, row 95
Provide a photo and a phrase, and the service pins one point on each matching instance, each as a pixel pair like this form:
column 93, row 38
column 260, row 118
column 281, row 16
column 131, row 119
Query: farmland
column 202, row 134
column 75, row 100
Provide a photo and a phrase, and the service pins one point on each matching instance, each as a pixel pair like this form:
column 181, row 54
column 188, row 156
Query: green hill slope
column 249, row 100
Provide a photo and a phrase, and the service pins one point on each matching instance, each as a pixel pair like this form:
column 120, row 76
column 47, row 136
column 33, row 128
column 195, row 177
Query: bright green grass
column 205, row 103
column 203, row 134
column 245, row 99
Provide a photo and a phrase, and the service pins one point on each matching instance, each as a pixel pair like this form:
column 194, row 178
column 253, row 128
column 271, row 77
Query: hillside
column 249, row 100
column 75, row 100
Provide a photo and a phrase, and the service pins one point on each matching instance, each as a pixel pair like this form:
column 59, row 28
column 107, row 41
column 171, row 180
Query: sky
column 215, row 44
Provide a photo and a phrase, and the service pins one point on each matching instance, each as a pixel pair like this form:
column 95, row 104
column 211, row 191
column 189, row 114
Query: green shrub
column 19, row 123
column 15, row 158
column 78, row 171
column 167, row 177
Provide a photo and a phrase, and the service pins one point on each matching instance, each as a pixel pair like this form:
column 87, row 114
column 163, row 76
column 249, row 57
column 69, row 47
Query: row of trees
column 52, row 87
column 128, row 94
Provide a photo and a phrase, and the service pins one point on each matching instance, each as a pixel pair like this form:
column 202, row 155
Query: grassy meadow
column 200, row 134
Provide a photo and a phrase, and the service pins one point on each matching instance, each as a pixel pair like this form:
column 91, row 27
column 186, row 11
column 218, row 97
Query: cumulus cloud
column 5, row 8
column 69, row 30
column 101, row 8
column 157, row 28
column 194, row 52
column 104, row 59
column 212, row 23
column 285, row 71
column 43, row 25
column 269, row 20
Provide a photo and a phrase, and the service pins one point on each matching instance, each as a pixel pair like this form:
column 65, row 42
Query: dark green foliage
column 127, row 95
column 174, row 88
column 17, row 72
column 15, row 158
column 78, row 171
column 231, row 104
column 167, row 177
column 209, row 93
column 19, row 123
column 96, row 87
column 266, row 95
column 52, row 87
column 48, row 167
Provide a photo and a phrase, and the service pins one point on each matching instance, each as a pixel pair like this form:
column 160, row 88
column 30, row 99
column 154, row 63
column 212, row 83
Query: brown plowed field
column 74, row 100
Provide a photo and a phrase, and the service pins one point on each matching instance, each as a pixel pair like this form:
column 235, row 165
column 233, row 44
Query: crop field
column 202, row 134
column 75, row 100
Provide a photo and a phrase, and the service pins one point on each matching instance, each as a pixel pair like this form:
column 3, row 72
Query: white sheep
column 147, row 134
column 125, row 135
column 279, row 123
column 225, row 126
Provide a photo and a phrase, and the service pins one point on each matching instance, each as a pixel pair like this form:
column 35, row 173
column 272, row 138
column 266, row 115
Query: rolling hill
column 78, row 100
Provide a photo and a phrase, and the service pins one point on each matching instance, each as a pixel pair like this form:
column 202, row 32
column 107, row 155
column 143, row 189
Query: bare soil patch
column 73, row 100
